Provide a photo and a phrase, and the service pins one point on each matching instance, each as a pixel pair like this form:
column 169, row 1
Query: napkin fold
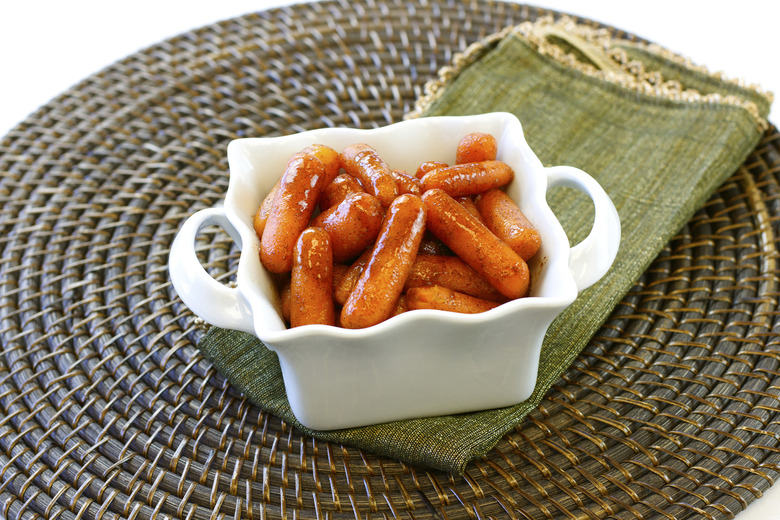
column 657, row 132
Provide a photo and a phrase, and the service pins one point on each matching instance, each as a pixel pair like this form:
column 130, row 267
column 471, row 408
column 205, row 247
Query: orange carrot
column 311, row 284
column 381, row 282
column 475, row 244
column 502, row 216
column 330, row 158
column 348, row 280
column 406, row 183
column 336, row 190
column 291, row 212
column 467, row 202
column 445, row 299
column 476, row 147
column 469, row 178
column 364, row 163
column 261, row 217
column 453, row 273
column 428, row 166
column 353, row 225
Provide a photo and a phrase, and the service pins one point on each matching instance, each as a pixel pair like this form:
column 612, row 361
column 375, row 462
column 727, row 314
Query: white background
column 47, row 46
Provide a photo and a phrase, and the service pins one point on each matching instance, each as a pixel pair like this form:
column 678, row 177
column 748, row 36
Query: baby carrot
column 382, row 281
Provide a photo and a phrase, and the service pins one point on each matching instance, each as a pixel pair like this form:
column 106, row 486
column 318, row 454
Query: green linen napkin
column 659, row 134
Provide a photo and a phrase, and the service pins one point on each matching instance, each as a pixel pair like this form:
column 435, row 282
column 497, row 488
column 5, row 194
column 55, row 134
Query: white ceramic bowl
column 423, row 362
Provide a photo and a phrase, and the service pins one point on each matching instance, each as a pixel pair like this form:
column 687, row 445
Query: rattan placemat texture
column 108, row 411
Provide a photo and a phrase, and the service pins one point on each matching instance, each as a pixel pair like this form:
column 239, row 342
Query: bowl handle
column 590, row 259
column 216, row 303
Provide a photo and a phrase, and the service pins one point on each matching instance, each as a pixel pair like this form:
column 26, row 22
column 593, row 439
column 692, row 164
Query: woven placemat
column 107, row 410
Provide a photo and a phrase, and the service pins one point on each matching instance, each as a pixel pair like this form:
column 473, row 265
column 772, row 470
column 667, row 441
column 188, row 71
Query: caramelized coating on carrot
column 339, row 270
column 291, row 211
column 330, row 161
column 502, row 216
column 475, row 244
column 476, row 147
column 330, row 158
column 348, row 280
column 400, row 306
column 353, row 225
column 364, row 163
column 338, row 189
column 261, row 216
column 311, row 284
column 381, row 283
column 429, row 166
column 469, row 178
column 284, row 297
column 453, row 273
column 445, row 299
column 467, row 202
column 406, row 183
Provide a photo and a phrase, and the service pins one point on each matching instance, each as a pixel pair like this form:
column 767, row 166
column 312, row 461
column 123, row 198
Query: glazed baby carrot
column 348, row 280
column 381, row 283
column 502, row 216
column 406, row 183
column 445, row 299
column 311, row 284
column 353, row 225
column 332, row 165
column 339, row 270
column 337, row 190
column 291, row 212
column 261, row 217
column 400, row 306
column 428, row 166
column 453, row 273
column 475, row 244
column 364, row 163
column 284, row 297
column 469, row 178
column 476, row 147
column 331, row 161
column 467, row 202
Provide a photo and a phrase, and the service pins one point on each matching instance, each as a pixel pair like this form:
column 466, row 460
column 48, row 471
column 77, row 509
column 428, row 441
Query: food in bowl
column 386, row 213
